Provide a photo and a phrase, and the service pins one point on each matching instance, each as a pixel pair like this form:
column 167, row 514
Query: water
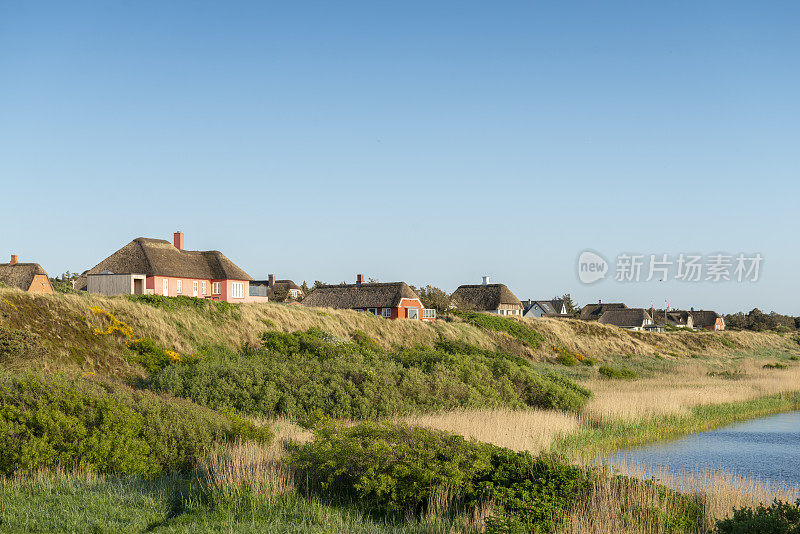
column 768, row 449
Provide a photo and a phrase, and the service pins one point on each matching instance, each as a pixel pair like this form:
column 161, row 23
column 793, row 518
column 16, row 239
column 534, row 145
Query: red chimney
column 13, row 259
column 359, row 279
column 179, row 240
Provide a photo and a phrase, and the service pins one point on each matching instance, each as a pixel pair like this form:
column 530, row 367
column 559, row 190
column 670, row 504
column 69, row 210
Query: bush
column 50, row 422
column 18, row 343
column 776, row 365
column 294, row 374
column 778, row 518
column 396, row 468
column 153, row 357
column 615, row 373
column 513, row 327
column 212, row 307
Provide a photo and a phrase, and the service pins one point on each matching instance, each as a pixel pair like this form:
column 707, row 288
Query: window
column 204, row 287
column 237, row 290
column 429, row 313
column 386, row 312
column 373, row 311
column 165, row 287
column 179, row 287
column 216, row 288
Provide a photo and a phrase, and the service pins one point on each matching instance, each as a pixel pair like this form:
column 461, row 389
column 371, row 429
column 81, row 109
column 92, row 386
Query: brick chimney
column 13, row 259
column 271, row 280
column 178, row 240
column 692, row 308
column 359, row 279
column 600, row 301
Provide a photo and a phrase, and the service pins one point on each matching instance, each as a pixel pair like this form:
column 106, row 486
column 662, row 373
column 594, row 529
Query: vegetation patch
column 16, row 343
column 778, row 518
column 617, row 373
column 208, row 306
column 296, row 374
column 776, row 365
column 53, row 422
column 512, row 327
column 398, row 469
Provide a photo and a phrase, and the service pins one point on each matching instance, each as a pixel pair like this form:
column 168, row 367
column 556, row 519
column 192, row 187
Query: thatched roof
column 704, row 318
column 595, row 311
column 157, row 257
column 679, row 318
column 278, row 285
column 484, row 297
column 20, row 275
column 626, row 317
column 351, row 296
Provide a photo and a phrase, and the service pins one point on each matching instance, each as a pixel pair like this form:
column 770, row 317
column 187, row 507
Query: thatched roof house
column 270, row 288
column 680, row 319
column 25, row 276
column 171, row 270
column 707, row 319
column 392, row 300
column 628, row 318
column 494, row 298
column 593, row 312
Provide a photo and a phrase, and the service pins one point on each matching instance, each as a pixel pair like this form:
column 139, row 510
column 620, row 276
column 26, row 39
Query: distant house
column 25, row 276
column 270, row 288
column 627, row 318
column 540, row 308
column 392, row 300
column 680, row 319
column 593, row 312
column 156, row 266
column 707, row 320
column 486, row 297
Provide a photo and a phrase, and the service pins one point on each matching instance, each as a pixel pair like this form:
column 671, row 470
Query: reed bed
column 520, row 430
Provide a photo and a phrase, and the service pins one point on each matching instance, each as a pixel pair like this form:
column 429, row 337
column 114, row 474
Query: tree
column 433, row 297
column 571, row 305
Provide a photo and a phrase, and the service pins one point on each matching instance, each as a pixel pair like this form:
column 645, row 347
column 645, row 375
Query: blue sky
column 425, row 142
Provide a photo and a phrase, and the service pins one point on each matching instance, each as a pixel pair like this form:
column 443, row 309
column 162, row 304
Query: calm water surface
column 767, row 448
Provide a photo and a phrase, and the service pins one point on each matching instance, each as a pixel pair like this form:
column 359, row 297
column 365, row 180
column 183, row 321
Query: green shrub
column 396, row 468
column 794, row 358
column 18, row 343
column 50, row 422
column 512, row 327
column 567, row 359
column 212, row 307
column 779, row 518
column 776, row 365
column 294, row 374
column 616, row 373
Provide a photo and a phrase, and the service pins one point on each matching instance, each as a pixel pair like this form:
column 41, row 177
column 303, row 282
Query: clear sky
column 431, row 142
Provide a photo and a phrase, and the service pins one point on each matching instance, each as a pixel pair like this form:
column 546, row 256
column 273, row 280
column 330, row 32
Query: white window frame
column 165, row 287
column 216, row 288
column 237, row 290
column 373, row 311
column 195, row 288
column 204, row 286
column 178, row 286
column 429, row 313
column 386, row 312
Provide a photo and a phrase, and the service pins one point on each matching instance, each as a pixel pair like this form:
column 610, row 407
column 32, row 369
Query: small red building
column 158, row 267
column 25, row 276
column 392, row 300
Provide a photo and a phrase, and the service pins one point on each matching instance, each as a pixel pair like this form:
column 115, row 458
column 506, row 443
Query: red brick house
column 392, row 300
column 25, row 276
column 158, row 267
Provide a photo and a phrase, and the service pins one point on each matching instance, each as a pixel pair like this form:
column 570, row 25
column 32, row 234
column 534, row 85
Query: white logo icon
column 592, row 267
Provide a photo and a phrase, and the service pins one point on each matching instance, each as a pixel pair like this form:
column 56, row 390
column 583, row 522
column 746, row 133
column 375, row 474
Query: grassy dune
column 679, row 383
